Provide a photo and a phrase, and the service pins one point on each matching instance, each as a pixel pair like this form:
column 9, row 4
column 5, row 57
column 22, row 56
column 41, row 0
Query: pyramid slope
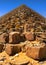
column 16, row 19
column 21, row 8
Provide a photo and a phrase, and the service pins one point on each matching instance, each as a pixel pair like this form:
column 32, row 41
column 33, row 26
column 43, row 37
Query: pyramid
column 22, row 49
column 22, row 19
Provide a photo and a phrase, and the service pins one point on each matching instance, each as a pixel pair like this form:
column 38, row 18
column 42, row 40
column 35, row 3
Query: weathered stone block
column 4, row 38
column 29, row 36
column 12, row 49
column 37, row 51
column 14, row 37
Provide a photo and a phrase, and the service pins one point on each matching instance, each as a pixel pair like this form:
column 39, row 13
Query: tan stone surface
column 1, row 47
column 14, row 37
column 12, row 49
column 29, row 36
column 4, row 38
column 21, row 58
column 37, row 51
column 20, row 16
column 22, row 19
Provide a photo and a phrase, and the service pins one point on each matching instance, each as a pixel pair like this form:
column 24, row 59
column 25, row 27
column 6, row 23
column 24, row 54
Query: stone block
column 29, row 36
column 12, row 49
column 14, row 37
column 37, row 51
column 4, row 38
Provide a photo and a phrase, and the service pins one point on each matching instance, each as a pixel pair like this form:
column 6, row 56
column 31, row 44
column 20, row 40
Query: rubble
column 24, row 62
column 2, row 59
column 22, row 38
column 41, row 37
column 4, row 37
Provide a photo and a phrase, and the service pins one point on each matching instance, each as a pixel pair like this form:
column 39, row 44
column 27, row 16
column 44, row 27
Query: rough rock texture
column 21, row 19
column 24, row 62
column 12, row 49
column 37, row 51
column 14, row 37
column 22, row 37
column 29, row 36
column 1, row 47
column 41, row 37
column 4, row 38
column 27, row 43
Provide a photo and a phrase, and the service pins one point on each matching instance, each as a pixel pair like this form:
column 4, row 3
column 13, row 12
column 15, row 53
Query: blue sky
column 37, row 5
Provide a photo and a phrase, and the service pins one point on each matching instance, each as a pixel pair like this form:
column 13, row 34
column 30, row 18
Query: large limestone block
column 12, row 49
column 38, row 51
column 4, row 38
column 14, row 37
column 29, row 36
